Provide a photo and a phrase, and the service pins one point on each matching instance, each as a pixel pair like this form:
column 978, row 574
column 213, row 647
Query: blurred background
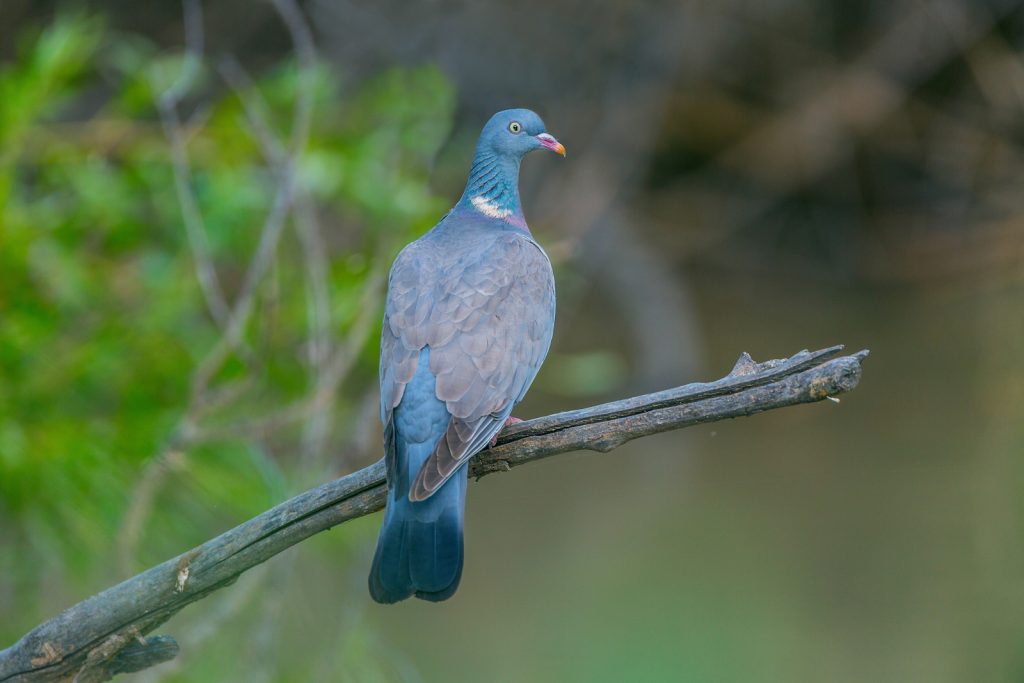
column 198, row 207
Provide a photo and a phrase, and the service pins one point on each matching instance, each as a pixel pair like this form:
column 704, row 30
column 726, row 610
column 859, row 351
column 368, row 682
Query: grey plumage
column 467, row 322
column 483, row 300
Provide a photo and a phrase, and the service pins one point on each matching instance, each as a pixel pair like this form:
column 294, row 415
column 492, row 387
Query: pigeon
column 468, row 320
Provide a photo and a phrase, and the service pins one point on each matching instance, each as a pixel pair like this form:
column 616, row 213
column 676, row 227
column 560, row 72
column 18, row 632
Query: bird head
column 516, row 132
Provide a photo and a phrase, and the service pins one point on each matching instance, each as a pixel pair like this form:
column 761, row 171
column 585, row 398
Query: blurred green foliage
column 102, row 319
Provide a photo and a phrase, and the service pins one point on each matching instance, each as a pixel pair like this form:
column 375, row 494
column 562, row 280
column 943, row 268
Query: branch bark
column 103, row 635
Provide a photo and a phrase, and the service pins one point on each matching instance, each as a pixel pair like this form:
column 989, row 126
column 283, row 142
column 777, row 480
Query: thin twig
column 324, row 375
column 167, row 106
column 238, row 317
column 274, row 224
column 91, row 630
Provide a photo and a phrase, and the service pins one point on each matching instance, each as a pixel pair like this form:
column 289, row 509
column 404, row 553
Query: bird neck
column 493, row 188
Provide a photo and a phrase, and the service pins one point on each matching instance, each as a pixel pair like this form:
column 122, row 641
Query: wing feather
column 486, row 309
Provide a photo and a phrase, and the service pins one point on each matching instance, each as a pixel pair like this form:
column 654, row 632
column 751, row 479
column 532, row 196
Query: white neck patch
column 489, row 208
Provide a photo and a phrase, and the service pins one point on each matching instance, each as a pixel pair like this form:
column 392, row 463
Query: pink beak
column 551, row 143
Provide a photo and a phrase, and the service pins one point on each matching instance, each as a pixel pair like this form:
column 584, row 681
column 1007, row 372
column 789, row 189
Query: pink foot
column 508, row 421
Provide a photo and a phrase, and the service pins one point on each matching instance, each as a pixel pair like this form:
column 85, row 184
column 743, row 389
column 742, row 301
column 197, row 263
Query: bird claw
column 508, row 421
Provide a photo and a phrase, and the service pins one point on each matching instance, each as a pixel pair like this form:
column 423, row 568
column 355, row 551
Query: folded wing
column 486, row 309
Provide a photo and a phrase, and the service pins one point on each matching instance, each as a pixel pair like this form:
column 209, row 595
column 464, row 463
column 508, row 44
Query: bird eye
column 515, row 127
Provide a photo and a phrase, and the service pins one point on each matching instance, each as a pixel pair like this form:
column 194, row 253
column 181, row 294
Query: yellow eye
column 515, row 127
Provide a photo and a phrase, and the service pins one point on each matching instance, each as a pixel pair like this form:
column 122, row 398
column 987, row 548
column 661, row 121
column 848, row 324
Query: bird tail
column 419, row 550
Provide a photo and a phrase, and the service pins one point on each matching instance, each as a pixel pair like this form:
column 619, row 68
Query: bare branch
column 236, row 319
column 284, row 198
column 94, row 635
column 167, row 105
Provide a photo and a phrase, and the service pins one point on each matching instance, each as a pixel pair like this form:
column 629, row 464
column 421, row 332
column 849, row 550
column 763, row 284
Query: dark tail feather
column 389, row 576
column 435, row 556
column 419, row 551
